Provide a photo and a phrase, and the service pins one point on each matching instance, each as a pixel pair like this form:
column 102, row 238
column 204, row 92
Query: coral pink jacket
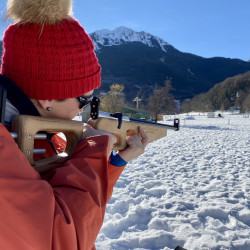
column 63, row 213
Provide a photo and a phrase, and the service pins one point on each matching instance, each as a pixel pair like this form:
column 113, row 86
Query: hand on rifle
column 136, row 146
column 89, row 131
column 136, row 143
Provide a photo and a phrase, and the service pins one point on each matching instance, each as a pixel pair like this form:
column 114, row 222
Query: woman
column 49, row 68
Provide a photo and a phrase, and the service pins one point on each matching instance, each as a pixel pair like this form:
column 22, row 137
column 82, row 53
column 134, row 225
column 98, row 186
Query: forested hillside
column 232, row 93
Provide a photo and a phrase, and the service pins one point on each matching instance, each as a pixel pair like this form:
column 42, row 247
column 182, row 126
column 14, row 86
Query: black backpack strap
column 3, row 98
column 17, row 98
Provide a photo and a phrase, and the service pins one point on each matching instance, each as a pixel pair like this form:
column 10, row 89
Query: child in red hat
column 50, row 69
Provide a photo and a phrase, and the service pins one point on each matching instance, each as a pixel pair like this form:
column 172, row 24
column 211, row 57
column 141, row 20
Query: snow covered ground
column 191, row 188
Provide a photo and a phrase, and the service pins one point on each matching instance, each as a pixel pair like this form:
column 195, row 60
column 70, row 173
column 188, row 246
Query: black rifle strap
column 3, row 99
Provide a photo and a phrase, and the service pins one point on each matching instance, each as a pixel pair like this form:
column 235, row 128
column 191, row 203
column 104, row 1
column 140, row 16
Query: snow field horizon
column 190, row 188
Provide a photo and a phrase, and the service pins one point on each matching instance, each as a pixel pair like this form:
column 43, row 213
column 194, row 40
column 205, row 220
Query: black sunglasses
column 84, row 100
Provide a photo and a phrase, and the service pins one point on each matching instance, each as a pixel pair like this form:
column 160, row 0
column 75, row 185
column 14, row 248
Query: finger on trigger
column 143, row 135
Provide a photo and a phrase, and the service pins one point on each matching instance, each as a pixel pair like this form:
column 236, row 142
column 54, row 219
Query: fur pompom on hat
column 39, row 11
column 47, row 53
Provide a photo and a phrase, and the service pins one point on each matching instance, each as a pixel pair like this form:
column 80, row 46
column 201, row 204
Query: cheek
column 73, row 112
column 67, row 110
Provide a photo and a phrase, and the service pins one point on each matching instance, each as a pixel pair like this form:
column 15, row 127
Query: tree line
column 233, row 93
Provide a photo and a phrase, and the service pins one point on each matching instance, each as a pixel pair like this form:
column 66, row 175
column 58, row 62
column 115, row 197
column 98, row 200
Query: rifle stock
column 27, row 127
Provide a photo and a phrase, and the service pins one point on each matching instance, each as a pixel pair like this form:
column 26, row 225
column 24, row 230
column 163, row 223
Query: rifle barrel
column 174, row 127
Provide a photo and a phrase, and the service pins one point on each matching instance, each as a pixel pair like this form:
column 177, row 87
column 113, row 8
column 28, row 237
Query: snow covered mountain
column 123, row 35
column 138, row 60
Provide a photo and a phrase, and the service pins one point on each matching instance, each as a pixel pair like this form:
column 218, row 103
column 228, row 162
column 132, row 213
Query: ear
column 44, row 104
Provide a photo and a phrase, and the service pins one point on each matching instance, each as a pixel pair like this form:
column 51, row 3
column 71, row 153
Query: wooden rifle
column 26, row 129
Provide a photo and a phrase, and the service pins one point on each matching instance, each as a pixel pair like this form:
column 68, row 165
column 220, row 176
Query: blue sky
column 206, row 28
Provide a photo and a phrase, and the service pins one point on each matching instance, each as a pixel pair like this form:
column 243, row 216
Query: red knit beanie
column 50, row 60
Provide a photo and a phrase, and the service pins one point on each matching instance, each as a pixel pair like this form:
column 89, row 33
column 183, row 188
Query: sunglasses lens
column 84, row 101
